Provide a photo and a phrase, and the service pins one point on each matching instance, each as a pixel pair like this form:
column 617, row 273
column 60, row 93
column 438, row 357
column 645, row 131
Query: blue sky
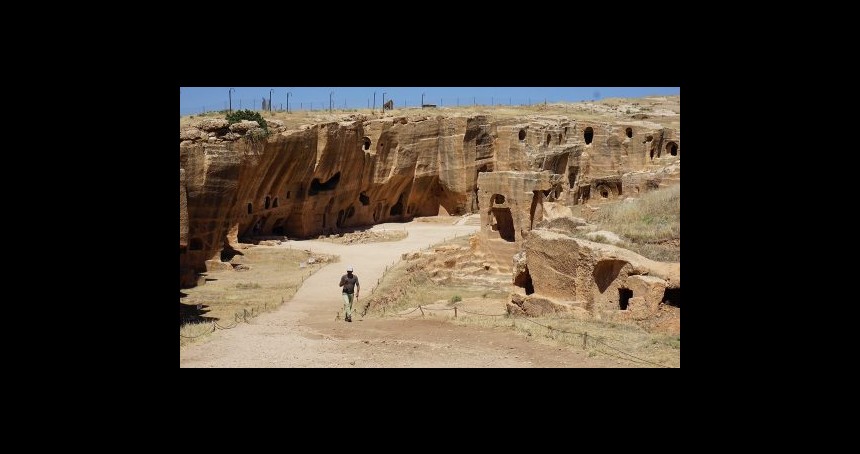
column 194, row 100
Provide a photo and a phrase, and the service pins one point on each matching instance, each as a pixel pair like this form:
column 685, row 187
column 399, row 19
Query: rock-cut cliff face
column 326, row 177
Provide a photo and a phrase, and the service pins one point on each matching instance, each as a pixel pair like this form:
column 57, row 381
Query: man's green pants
column 347, row 305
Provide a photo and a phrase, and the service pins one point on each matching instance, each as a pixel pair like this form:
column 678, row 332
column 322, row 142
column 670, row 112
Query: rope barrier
column 628, row 354
column 396, row 314
column 216, row 326
column 486, row 315
column 599, row 340
column 632, row 358
column 550, row 327
column 229, row 327
column 413, row 310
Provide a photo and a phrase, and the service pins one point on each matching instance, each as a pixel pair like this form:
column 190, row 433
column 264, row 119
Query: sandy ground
column 303, row 332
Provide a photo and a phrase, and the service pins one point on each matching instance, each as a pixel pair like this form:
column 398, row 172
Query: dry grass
column 649, row 350
column 651, row 224
column 229, row 296
column 660, row 110
column 654, row 217
column 404, row 289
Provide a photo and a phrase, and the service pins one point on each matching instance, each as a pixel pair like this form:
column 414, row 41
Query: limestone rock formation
column 243, row 126
column 607, row 281
column 321, row 179
column 191, row 134
column 213, row 124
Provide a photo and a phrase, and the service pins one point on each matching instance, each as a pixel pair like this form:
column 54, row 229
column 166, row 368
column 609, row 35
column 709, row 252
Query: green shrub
column 246, row 114
column 456, row 299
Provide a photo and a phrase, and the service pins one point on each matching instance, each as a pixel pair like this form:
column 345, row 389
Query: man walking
column 350, row 285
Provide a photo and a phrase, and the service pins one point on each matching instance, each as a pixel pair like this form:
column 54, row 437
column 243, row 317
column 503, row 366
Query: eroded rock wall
column 327, row 177
column 606, row 281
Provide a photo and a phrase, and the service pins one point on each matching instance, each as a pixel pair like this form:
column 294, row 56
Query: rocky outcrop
column 243, row 126
column 213, row 125
column 191, row 134
column 218, row 130
column 324, row 178
column 606, row 281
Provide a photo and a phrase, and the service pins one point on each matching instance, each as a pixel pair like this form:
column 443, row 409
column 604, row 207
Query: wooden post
column 585, row 340
column 422, row 310
column 455, row 312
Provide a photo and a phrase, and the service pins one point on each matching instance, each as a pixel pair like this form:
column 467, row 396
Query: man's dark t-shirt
column 348, row 283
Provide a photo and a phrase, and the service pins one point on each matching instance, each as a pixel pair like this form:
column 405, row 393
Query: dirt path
column 304, row 333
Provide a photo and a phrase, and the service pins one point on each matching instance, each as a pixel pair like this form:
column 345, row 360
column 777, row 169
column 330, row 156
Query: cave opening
column 582, row 194
column 504, row 223
column 629, row 132
column 522, row 134
column 366, row 141
column 624, row 295
column 363, row 198
column 250, row 208
column 524, row 280
column 397, row 208
column 268, row 201
column 278, row 228
column 227, row 253
column 672, row 297
column 329, row 185
column 536, row 210
column 572, row 173
column 673, row 148
column 275, row 203
column 588, row 135
column 548, row 138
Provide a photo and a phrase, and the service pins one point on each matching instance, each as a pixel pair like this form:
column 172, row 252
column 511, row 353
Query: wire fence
column 357, row 104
